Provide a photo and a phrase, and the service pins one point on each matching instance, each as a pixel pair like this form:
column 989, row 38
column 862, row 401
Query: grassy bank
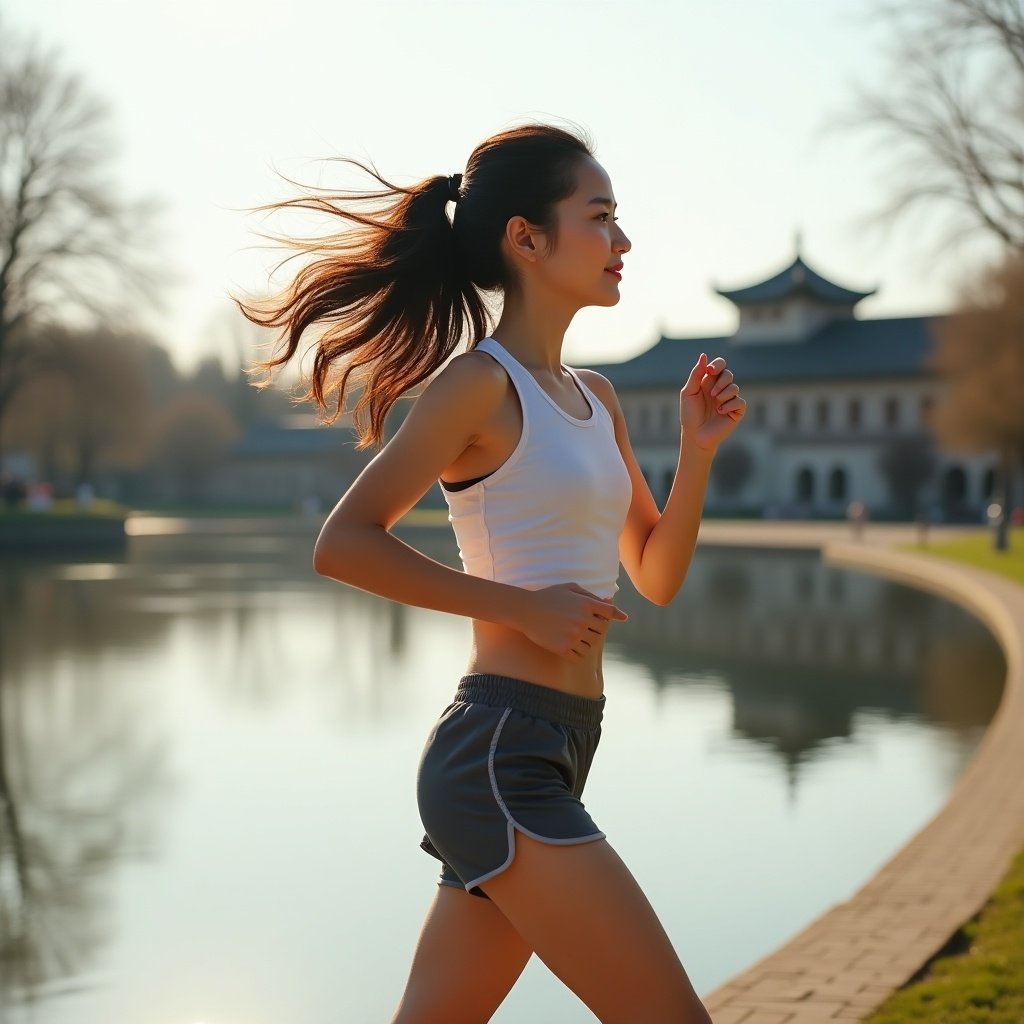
column 68, row 508
column 979, row 976
column 977, row 550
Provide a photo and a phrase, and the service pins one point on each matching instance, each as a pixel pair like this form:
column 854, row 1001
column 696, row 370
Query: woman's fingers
column 603, row 609
column 607, row 611
column 725, row 378
column 567, row 613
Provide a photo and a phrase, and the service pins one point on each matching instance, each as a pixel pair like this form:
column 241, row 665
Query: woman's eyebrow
column 604, row 201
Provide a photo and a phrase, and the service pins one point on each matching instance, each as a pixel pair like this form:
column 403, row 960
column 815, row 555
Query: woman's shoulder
column 475, row 369
column 471, row 379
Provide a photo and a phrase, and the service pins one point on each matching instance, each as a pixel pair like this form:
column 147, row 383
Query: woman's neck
column 533, row 332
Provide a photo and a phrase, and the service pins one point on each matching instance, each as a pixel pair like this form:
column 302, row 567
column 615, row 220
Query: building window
column 666, row 419
column 837, row 484
column 822, row 412
column 805, row 485
column 793, row 414
column 854, row 412
column 892, row 412
column 988, row 483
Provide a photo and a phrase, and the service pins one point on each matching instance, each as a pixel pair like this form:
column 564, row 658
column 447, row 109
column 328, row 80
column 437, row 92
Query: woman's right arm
column 356, row 547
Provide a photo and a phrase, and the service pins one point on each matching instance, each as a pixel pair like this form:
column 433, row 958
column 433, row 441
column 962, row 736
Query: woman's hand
column 709, row 404
column 567, row 620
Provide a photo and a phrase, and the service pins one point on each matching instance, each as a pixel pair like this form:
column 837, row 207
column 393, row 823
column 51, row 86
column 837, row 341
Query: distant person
column 40, row 497
column 14, row 491
column 85, row 495
column 545, row 497
column 857, row 515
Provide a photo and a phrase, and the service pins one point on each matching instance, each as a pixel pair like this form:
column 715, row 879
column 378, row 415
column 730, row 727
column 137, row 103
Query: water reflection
column 81, row 773
column 804, row 648
column 108, row 670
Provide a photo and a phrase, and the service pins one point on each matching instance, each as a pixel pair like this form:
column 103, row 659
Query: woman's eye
column 606, row 215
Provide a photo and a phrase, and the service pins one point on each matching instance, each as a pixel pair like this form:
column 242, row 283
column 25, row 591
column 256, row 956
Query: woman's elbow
column 321, row 560
column 329, row 552
column 661, row 600
column 663, row 594
column 344, row 549
column 324, row 559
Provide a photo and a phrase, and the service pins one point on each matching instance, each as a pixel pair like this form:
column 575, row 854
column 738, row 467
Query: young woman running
column 546, row 499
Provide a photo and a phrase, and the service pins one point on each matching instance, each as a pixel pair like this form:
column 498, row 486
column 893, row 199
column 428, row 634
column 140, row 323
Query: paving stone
column 733, row 1015
column 819, row 1013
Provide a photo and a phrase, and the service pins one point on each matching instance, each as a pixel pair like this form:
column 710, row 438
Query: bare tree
column 979, row 353
column 907, row 464
column 951, row 113
column 69, row 245
column 87, row 410
column 191, row 438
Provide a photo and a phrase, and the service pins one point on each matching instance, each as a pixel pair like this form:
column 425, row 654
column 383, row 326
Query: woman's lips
column 614, row 271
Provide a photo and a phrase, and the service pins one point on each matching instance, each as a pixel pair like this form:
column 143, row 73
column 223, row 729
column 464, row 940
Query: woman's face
column 585, row 265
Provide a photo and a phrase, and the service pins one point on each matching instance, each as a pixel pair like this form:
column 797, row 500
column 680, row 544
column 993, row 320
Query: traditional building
column 291, row 462
column 836, row 409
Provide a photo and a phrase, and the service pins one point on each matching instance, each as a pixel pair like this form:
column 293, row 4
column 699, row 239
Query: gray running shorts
column 505, row 756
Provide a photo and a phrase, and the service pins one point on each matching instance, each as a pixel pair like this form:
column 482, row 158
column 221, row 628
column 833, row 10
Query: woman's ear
column 523, row 239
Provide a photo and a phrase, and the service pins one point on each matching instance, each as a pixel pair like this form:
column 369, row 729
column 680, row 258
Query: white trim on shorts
column 513, row 825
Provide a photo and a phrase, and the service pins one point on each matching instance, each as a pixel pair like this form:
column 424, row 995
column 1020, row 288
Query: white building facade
column 828, row 397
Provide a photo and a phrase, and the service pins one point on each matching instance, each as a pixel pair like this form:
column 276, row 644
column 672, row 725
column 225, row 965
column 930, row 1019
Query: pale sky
column 708, row 117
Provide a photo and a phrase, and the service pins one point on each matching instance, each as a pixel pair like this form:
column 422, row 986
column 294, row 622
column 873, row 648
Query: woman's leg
column 585, row 916
column 467, row 958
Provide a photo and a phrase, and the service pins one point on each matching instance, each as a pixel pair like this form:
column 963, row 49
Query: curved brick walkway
column 849, row 960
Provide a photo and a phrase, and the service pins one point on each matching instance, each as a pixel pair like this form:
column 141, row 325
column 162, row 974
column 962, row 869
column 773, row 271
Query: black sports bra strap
column 461, row 485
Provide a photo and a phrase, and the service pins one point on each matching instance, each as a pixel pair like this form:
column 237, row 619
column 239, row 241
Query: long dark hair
column 398, row 290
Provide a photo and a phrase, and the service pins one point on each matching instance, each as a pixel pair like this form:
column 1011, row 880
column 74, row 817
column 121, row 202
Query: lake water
column 208, row 757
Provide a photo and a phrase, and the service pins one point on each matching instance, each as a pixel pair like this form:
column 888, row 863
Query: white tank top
column 553, row 511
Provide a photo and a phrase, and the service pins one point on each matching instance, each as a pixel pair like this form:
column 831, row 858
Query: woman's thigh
column 467, row 958
column 580, row 909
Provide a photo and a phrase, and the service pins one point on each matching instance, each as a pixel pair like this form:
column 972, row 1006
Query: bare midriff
column 504, row 651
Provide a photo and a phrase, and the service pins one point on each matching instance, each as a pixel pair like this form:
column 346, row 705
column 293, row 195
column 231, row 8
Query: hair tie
column 454, row 181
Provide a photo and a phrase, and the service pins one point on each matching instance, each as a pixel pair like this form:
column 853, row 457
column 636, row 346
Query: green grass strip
column 68, row 508
column 978, row 550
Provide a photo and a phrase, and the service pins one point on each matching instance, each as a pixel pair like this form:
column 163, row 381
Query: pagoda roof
column 798, row 279
column 842, row 349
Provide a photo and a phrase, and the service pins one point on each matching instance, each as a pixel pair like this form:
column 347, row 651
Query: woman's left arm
column 656, row 548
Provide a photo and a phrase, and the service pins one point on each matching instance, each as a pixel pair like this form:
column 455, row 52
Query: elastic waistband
column 541, row 701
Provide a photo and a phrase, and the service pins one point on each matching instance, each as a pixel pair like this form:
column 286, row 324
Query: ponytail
column 398, row 289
